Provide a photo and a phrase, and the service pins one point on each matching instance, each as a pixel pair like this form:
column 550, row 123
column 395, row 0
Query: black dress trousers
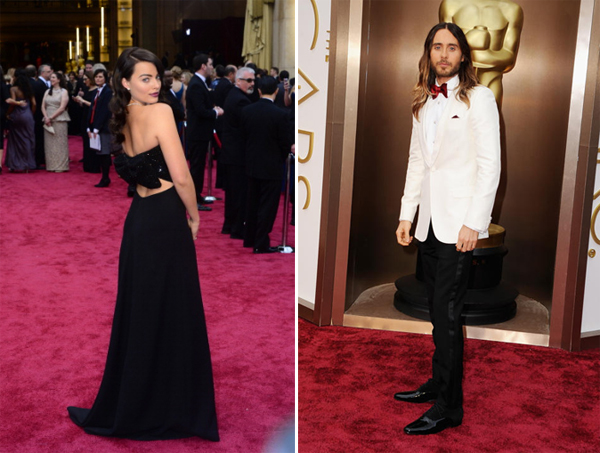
column 236, row 189
column 263, row 201
column 446, row 274
column 197, row 151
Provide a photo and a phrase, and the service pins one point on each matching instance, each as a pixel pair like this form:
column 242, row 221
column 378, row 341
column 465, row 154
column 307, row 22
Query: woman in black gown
column 158, row 381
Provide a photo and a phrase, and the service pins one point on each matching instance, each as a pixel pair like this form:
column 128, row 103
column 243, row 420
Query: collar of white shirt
column 201, row 77
column 450, row 84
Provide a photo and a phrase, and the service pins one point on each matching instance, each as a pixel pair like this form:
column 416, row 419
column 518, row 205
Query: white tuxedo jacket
column 456, row 185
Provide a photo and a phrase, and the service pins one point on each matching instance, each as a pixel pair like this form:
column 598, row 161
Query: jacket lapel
column 422, row 140
column 441, row 129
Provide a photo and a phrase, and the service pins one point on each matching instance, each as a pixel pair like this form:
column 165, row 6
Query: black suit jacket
column 220, row 95
column 102, row 113
column 176, row 105
column 39, row 89
column 200, row 114
column 266, row 128
column 221, row 91
column 232, row 138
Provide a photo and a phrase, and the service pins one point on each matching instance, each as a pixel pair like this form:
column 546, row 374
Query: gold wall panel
column 311, row 144
column 595, row 215
column 316, row 32
column 313, row 87
column 308, row 194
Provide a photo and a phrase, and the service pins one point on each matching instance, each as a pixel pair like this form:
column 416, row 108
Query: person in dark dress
column 4, row 95
column 98, row 124
column 85, row 97
column 73, row 86
column 158, row 381
column 20, row 146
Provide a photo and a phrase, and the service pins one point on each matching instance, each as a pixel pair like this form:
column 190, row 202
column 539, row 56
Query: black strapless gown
column 158, row 381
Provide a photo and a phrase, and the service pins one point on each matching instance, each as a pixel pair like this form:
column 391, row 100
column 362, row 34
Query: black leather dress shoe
column 203, row 200
column 226, row 230
column 267, row 250
column 201, row 207
column 103, row 183
column 431, row 422
column 236, row 236
column 423, row 394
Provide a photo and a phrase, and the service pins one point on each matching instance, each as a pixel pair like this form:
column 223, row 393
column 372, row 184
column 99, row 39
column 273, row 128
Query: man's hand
column 467, row 238
column 403, row 233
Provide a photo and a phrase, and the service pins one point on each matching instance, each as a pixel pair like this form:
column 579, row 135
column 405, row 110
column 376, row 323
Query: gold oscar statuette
column 493, row 30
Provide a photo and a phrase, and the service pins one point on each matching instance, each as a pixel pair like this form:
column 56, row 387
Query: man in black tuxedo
column 40, row 86
column 268, row 143
column 202, row 114
column 221, row 91
column 452, row 177
column 233, row 153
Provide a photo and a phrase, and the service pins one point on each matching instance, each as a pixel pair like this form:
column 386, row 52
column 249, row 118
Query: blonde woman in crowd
column 178, row 86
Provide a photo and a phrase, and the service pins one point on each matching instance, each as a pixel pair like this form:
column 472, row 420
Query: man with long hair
column 452, row 177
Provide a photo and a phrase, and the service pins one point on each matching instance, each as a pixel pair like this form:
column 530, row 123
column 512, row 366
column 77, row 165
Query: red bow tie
column 436, row 90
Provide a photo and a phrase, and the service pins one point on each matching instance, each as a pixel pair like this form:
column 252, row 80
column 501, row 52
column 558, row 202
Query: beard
column 250, row 90
column 448, row 71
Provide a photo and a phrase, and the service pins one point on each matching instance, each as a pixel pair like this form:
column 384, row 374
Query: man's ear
column 260, row 92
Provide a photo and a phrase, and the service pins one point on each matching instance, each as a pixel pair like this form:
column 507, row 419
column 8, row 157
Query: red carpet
column 517, row 398
column 59, row 245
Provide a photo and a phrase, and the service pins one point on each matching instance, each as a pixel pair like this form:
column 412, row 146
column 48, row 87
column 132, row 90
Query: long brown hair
column 124, row 70
column 466, row 71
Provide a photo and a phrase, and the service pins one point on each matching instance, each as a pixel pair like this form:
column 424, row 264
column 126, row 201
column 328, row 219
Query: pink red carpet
column 59, row 245
column 517, row 398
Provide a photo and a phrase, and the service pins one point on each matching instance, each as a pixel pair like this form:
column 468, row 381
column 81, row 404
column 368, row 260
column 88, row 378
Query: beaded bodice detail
column 144, row 169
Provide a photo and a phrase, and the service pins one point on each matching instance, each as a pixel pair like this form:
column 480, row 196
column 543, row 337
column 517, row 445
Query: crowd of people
column 241, row 118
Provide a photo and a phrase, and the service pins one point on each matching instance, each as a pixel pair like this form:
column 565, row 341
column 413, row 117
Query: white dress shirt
column 204, row 81
column 434, row 109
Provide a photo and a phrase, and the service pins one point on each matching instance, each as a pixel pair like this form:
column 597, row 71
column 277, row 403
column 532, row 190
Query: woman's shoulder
column 160, row 109
column 158, row 114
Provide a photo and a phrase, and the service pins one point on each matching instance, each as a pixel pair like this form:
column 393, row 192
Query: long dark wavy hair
column 22, row 82
column 121, row 97
column 62, row 82
column 466, row 72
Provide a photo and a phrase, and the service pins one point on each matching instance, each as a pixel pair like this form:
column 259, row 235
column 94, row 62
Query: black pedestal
column 489, row 300
column 482, row 306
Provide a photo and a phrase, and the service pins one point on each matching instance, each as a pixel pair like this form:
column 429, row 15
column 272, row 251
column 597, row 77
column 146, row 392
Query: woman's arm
column 46, row 120
column 12, row 100
column 163, row 125
column 287, row 100
column 80, row 101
